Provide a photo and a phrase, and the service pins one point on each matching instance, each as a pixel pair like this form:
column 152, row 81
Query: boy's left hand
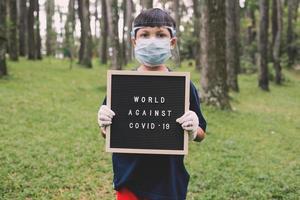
column 189, row 122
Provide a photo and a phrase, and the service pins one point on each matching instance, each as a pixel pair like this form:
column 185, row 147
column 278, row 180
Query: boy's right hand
column 105, row 116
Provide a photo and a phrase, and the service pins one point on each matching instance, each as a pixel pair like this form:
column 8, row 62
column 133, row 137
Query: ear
column 173, row 42
column 133, row 42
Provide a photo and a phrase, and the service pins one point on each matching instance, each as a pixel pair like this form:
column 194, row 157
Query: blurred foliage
column 187, row 41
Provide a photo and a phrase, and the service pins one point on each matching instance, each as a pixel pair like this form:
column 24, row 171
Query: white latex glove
column 189, row 122
column 105, row 116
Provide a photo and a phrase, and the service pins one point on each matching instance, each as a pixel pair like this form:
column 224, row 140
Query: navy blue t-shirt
column 155, row 177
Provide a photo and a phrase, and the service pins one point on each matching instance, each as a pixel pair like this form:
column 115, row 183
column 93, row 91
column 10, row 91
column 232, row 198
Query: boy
column 154, row 177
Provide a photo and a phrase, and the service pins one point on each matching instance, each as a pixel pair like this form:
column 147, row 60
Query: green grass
column 50, row 147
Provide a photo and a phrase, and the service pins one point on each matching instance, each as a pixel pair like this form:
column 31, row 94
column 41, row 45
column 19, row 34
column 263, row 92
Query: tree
column 263, row 80
column 31, row 34
column 70, row 29
column 85, row 51
column 13, row 27
column 197, row 23
column 113, row 18
column 213, row 54
column 146, row 4
column 124, row 36
column 96, row 17
column 50, row 33
column 274, row 23
column 22, row 28
column 251, row 30
column 277, row 41
column 33, row 28
column 104, row 32
column 61, row 30
column 290, row 32
column 177, row 11
column 297, row 3
column 96, row 38
column 38, row 42
column 128, row 19
column 3, row 39
column 232, row 43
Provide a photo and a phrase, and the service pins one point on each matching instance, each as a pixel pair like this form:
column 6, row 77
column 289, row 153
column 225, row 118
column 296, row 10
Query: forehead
column 154, row 29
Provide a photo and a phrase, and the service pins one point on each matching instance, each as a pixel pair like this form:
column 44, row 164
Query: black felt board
column 159, row 132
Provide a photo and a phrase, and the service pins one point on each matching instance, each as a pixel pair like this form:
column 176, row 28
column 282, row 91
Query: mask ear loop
column 172, row 30
column 176, row 56
column 174, row 51
column 132, row 33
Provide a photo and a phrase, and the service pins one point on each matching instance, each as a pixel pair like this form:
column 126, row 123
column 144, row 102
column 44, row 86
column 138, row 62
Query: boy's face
column 154, row 32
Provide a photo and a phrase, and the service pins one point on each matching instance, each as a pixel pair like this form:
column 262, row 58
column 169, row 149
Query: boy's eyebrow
column 144, row 30
column 162, row 29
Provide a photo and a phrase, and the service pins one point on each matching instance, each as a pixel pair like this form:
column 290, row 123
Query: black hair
column 154, row 17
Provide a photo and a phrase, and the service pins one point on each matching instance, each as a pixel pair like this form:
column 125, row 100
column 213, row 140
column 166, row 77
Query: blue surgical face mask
column 153, row 51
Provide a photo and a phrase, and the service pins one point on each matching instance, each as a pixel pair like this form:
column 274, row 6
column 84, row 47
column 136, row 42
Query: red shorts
column 125, row 194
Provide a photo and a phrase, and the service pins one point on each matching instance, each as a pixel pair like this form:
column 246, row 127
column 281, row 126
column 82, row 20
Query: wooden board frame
column 110, row 73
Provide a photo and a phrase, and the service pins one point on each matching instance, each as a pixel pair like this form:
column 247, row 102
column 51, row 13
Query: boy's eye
column 144, row 35
column 161, row 35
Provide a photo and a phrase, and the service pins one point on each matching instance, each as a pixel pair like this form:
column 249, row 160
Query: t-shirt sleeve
column 195, row 105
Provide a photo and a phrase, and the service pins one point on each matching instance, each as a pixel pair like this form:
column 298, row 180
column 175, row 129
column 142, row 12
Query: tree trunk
column 112, row 13
column 31, row 33
column 177, row 21
column 22, row 27
column 124, row 8
column 50, row 34
column 273, row 27
column 213, row 54
column 61, row 31
column 290, row 33
column 232, row 43
column 13, row 42
column 263, row 80
column 274, row 22
column 38, row 35
column 128, row 24
column 251, row 32
column 82, row 31
column 197, row 22
column 277, row 43
column 104, row 32
column 3, row 39
column 85, row 52
column 146, row 4
column 96, row 17
column 70, row 29
column 297, row 2
column 95, row 38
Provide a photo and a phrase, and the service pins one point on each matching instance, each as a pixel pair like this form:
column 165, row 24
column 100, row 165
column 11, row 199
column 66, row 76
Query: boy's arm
column 102, row 128
column 103, row 132
column 195, row 106
column 200, row 135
